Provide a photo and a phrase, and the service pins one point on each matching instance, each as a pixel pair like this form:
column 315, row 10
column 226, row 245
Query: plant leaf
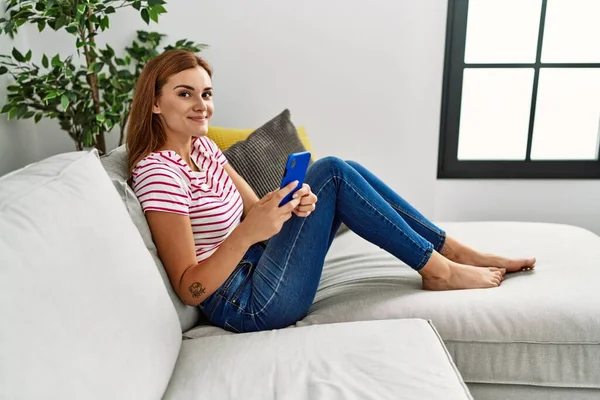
column 17, row 55
column 45, row 61
column 6, row 108
column 56, row 61
column 71, row 28
column 153, row 14
column 50, row 96
column 21, row 111
column 64, row 101
column 37, row 117
column 159, row 9
column 60, row 22
column 146, row 16
column 3, row 70
column 100, row 118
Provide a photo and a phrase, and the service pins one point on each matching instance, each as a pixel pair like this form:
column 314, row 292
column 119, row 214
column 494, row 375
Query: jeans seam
column 244, row 264
column 442, row 242
column 425, row 258
column 237, row 293
column 231, row 277
column 233, row 328
column 412, row 217
column 219, row 294
column 440, row 233
column 288, row 257
column 375, row 209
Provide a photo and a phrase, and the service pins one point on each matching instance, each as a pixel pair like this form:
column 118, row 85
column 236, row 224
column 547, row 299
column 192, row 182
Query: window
column 521, row 96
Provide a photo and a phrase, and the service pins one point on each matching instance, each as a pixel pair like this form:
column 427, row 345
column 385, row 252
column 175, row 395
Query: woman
column 209, row 226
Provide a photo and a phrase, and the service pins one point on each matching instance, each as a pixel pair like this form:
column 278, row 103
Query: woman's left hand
column 307, row 201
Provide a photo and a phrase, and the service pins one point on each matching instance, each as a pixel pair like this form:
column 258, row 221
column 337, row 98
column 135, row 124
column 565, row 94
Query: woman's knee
column 352, row 163
column 329, row 163
column 329, row 167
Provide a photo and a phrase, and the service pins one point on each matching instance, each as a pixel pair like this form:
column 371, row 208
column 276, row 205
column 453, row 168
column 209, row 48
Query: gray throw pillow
column 260, row 159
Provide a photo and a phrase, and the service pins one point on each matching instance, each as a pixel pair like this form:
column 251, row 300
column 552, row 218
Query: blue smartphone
column 295, row 170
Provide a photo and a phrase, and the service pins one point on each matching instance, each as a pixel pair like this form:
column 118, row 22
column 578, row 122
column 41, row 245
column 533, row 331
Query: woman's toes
column 529, row 264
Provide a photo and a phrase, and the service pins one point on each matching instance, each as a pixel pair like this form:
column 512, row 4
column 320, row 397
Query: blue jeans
column 275, row 283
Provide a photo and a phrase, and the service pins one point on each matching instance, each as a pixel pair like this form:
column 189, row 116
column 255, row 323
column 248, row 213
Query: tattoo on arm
column 197, row 290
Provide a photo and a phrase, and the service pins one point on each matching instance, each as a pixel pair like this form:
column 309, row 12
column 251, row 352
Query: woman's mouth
column 200, row 120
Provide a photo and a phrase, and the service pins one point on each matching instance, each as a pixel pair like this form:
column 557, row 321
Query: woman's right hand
column 266, row 218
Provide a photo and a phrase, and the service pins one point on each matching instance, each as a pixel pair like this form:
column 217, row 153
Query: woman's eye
column 185, row 94
column 207, row 94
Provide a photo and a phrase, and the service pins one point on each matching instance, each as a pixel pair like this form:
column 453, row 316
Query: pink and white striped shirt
column 162, row 181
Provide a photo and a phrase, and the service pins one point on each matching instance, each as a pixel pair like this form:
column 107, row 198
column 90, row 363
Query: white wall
column 364, row 78
column 18, row 140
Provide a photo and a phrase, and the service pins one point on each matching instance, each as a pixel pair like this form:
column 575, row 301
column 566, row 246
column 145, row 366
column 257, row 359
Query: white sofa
column 87, row 312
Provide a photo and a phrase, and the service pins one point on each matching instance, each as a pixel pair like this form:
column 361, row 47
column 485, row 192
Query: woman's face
column 185, row 103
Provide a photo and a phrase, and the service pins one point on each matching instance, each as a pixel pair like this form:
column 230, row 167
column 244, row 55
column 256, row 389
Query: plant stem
column 122, row 126
column 92, row 79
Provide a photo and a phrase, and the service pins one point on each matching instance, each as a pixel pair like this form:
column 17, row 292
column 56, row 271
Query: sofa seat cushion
column 538, row 328
column 393, row 359
column 85, row 314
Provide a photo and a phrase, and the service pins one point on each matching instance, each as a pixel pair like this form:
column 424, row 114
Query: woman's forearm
column 249, row 199
column 203, row 279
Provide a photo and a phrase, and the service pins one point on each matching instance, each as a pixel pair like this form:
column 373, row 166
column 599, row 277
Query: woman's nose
column 200, row 106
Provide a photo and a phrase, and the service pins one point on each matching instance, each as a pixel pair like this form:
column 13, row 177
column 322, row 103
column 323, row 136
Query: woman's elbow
column 191, row 292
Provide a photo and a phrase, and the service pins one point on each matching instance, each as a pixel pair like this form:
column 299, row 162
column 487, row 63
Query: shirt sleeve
column 216, row 152
column 158, row 188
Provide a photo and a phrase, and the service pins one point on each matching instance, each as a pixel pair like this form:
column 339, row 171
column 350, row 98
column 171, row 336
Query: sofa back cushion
column 84, row 311
column 115, row 164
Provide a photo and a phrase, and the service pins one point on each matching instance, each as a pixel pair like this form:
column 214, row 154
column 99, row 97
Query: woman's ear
column 155, row 109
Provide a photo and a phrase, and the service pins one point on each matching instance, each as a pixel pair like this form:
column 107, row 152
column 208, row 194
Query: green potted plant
column 90, row 91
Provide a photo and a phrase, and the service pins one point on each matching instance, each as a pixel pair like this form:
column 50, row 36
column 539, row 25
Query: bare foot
column 458, row 252
column 510, row 264
column 442, row 274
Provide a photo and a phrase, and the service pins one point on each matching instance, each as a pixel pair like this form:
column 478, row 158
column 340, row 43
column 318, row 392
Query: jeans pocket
column 246, row 267
column 221, row 293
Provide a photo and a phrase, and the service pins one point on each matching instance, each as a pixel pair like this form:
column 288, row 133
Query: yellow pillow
column 227, row 137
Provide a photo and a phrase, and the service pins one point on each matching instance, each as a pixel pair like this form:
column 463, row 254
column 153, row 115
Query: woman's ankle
column 455, row 251
column 437, row 267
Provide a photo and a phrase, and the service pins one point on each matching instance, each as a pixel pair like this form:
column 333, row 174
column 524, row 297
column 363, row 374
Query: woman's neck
column 182, row 148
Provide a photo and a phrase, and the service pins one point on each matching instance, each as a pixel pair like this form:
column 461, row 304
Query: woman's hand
column 307, row 201
column 266, row 218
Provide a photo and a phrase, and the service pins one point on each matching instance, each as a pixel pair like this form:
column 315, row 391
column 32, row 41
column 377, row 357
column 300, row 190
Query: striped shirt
column 163, row 181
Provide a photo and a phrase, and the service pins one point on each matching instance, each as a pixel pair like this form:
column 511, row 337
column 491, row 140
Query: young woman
column 209, row 226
